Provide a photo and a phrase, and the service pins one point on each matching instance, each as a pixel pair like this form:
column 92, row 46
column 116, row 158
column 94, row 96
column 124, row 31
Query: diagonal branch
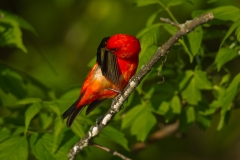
column 115, row 153
column 184, row 29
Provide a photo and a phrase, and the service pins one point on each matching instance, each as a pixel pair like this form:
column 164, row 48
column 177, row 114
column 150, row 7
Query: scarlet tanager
column 117, row 61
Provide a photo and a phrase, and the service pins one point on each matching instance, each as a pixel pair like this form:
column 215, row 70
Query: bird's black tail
column 72, row 113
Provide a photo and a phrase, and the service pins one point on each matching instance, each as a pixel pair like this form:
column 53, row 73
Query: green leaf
column 4, row 133
column 224, row 13
column 190, row 114
column 143, row 123
column 175, row 2
column 223, row 118
column 187, row 77
column 152, row 18
column 21, row 22
column 192, row 94
column 231, row 91
column 141, row 120
column 147, row 37
column 224, row 55
column 201, row 80
column 237, row 33
column 131, row 115
column 26, row 101
column 192, row 91
column 30, row 113
column 78, row 125
column 14, row 148
column 194, row 40
column 13, row 82
column 225, row 79
column 58, row 127
column 45, row 120
column 235, row 25
column 163, row 108
column 42, row 145
column 203, row 121
column 176, row 105
column 115, row 136
column 11, row 35
column 170, row 29
column 53, row 106
column 145, row 56
column 141, row 3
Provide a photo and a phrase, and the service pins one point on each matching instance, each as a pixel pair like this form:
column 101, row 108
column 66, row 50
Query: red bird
column 117, row 61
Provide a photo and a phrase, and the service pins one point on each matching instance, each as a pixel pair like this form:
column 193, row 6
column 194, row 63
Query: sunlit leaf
column 163, row 108
column 22, row 23
column 30, row 113
column 170, row 29
column 26, row 101
column 225, row 79
column 52, row 105
column 225, row 13
column 231, row 91
column 145, row 57
column 176, row 105
column 191, row 93
column 45, row 120
column 201, row 80
column 130, row 116
column 194, row 40
column 11, row 35
column 230, row 30
column 141, row 120
column 14, row 148
column 115, row 136
column 187, row 77
column 148, row 37
column 42, row 145
column 152, row 18
column 190, row 114
column 58, row 127
column 224, row 55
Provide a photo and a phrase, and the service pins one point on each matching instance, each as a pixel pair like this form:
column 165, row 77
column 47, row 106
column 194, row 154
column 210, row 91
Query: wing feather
column 107, row 62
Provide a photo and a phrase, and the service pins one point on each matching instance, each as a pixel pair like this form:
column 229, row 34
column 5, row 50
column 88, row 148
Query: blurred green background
column 67, row 35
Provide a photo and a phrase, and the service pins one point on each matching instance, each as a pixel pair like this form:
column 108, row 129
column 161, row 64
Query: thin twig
column 135, row 80
column 115, row 153
column 166, row 20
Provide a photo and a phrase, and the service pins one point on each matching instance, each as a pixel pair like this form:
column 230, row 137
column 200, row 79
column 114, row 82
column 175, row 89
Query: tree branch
column 184, row 29
column 115, row 153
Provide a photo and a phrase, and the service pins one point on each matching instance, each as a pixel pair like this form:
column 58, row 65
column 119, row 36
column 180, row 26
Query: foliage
column 199, row 83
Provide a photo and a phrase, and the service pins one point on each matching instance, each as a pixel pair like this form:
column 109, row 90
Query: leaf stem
column 168, row 11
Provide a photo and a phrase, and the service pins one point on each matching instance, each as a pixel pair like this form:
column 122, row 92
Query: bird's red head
column 124, row 46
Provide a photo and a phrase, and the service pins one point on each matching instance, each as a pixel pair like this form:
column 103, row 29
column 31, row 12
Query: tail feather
column 73, row 116
column 72, row 112
column 93, row 105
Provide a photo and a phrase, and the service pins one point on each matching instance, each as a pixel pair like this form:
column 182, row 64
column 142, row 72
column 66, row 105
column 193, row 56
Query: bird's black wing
column 107, row 62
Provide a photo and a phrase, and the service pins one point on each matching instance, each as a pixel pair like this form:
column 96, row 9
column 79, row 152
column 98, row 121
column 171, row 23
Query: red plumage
column 117, row 61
